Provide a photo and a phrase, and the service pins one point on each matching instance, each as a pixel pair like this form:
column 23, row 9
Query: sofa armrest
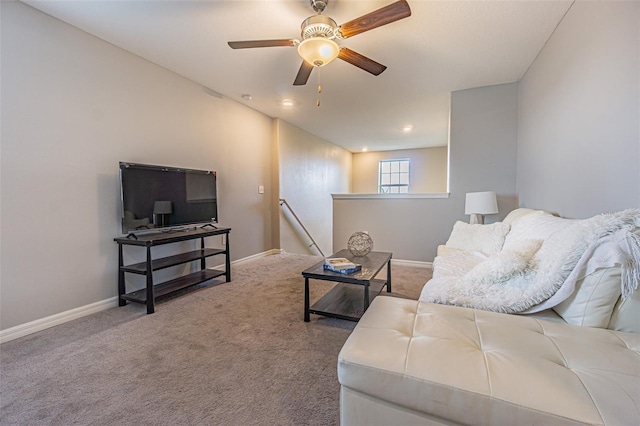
column 443, row 250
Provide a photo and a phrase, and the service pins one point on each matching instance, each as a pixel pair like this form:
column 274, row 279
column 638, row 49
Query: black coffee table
column 353, row 293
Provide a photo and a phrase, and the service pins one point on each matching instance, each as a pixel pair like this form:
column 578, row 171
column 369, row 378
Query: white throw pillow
column 487, row 239
column 593, row 301
column 626, row 314
column 537, row 228
column 522, row 213
column 505, row 265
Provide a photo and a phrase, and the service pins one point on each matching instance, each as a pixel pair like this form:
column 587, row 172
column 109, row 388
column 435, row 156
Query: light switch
column 261, row 189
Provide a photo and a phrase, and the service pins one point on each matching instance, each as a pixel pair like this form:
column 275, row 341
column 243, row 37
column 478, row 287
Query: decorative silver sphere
column 360, row 244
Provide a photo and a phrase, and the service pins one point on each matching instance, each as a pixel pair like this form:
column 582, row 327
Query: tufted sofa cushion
column 475, row 367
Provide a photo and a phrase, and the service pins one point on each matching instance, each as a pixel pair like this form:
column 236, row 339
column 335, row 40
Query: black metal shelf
column 166, row 262
column 344, row 301
column 152, row 290
column 169, row 237
column 162, row 289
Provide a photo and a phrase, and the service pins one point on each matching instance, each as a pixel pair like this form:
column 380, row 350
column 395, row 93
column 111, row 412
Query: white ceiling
column 442, row 47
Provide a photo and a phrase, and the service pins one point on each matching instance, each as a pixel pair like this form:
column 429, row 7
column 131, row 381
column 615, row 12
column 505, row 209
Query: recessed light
column 407, row 128
column 365, row 149
column 287, row 103
column 246, row 97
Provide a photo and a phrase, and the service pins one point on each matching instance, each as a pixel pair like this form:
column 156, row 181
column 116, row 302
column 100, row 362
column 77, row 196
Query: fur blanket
column 526, row 277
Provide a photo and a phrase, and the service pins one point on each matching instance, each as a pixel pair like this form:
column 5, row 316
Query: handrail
column 313, row 242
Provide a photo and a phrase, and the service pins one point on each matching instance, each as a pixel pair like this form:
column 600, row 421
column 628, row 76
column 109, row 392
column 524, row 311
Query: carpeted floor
column 233, row 353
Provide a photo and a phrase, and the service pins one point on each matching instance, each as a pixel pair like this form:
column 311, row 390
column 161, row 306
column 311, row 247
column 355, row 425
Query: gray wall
column 427, row 172
column 72, row 107
column 579, row 114
column 310, row 170
column 482, row 150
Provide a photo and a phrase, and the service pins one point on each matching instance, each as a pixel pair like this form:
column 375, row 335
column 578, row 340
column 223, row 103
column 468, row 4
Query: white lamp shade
column 318, row 51
column 162, row 207
column 481, row 203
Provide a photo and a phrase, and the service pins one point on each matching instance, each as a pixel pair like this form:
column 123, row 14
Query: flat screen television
column 160, row 197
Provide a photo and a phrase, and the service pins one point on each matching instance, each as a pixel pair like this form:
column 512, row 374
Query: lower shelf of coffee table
column 346, row 301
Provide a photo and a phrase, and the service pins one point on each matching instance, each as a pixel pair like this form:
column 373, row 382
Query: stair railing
column 313, row 242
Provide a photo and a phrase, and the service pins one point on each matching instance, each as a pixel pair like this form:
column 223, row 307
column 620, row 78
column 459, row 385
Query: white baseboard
column 92, row 308
column 256, row 256
column 57, row 319
column 253, row 256
column 413, row 263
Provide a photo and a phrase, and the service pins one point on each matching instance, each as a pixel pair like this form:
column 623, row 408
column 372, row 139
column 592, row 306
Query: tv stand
column 153, row 290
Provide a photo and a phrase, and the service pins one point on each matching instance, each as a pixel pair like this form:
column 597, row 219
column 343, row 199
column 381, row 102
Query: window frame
column 398, row 173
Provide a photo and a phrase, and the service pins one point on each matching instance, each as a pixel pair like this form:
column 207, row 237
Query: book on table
column 341, row 265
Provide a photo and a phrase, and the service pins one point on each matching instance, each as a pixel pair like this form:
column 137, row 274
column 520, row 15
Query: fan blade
column 303, row 74
column 360, row 61
column 377, row 18
column 260, row 43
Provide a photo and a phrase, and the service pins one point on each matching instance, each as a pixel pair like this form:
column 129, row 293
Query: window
column 394, row 177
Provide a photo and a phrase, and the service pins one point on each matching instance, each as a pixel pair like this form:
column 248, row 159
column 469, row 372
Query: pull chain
column 319, row 88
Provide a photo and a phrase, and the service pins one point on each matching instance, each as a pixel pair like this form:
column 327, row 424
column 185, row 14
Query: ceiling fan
column 319, row 34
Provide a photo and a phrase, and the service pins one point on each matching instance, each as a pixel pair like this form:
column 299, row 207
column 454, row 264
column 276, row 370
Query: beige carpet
column 233, row 353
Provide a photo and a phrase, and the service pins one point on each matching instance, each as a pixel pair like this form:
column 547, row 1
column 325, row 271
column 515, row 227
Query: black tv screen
column 156, row 197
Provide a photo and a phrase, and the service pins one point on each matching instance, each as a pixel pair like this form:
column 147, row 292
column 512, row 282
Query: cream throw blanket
column 528, row 279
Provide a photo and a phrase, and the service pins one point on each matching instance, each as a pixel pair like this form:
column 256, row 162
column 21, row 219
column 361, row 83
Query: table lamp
column 160, row 209
column 478, row 204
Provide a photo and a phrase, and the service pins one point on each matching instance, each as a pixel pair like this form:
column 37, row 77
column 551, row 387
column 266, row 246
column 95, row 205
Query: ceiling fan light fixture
column 318, row 51
column 319, row 34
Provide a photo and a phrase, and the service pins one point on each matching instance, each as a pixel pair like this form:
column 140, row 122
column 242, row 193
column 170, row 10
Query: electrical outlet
column 223, row 241
column 261, row 189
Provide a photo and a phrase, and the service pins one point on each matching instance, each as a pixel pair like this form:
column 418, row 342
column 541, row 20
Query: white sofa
column 596, row 298
column 414, row 362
